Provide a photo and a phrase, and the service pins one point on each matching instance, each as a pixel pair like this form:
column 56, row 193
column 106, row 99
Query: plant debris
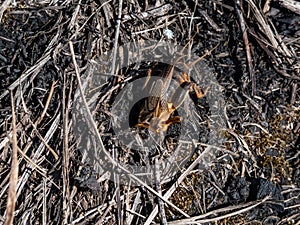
column 230, row 157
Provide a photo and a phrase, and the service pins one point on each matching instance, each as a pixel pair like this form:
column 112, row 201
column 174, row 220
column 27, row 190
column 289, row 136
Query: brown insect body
column 164, row 98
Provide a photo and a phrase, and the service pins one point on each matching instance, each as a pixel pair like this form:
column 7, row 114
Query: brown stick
column 13, row 180
column 294, row 92
column 47, row 103
column 66, row 155
column 238, row 7
column 3, row 7
column 291, row 5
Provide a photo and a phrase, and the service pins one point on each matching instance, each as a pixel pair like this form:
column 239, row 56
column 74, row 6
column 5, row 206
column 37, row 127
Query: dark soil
column 235, row 160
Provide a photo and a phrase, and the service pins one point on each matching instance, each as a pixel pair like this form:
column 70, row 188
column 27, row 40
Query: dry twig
column 291, row 5
column 4, row 7
column 238, row 8
column 12, row 192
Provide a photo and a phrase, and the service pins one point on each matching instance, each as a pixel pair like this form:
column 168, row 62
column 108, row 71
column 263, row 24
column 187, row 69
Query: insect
column 158, row 108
